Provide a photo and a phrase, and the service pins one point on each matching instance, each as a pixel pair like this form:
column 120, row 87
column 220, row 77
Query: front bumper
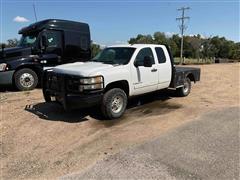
column 77, row 101
column 70, row 100
column 6, row 77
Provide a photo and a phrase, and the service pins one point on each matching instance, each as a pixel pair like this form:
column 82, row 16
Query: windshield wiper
column 103, row 61
column 106, row 62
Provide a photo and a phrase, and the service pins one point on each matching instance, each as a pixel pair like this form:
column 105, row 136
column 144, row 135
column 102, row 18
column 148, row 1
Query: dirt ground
column 40, row 140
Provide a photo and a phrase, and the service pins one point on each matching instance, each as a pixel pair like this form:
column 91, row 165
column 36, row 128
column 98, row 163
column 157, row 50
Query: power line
column 182, row 27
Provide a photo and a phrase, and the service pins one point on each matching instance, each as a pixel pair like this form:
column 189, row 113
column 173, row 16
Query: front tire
column 186, row 89
column 25, row 79
column 46, row 96
column 114, row 103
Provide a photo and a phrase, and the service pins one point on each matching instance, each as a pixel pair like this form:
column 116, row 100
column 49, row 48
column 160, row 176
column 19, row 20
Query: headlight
column 91, row 83
column 3, row 66
column 90, row 87
column 92, row 80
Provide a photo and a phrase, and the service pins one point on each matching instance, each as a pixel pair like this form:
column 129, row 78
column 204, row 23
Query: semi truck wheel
column 114, row 103
column 25, row 79
column 186, row 89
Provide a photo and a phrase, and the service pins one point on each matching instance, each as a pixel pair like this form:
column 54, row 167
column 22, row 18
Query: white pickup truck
column 114, row 75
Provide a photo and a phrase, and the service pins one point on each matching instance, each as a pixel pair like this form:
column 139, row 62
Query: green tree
column 208, row 50
column 141, row 39
column 195, row 43
column 95, row 48
column 12, row 42
column 236, row 51
column 194, row 46
column 160, row 38
column 174, row 48
column 177, row 40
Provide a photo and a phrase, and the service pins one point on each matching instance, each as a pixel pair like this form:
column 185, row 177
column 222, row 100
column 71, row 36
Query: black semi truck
column 43, row 45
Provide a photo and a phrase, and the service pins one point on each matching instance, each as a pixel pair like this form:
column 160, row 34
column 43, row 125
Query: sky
column 116, row 21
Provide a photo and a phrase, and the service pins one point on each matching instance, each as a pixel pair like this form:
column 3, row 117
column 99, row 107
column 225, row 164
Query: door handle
column 153, row 70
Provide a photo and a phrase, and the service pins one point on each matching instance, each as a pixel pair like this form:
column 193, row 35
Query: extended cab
column 114, row 75
column 44, row 44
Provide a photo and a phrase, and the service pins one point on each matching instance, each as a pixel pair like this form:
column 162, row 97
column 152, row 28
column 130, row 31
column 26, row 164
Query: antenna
column 35, row 14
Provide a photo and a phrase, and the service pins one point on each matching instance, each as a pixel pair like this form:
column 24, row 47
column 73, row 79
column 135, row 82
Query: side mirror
column 44, row 42
column 147, row 62
column 136, row 64
column 3, row 52
column 3, row 46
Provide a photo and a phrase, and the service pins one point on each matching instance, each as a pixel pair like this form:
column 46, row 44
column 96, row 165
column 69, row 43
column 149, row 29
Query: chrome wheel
column 117, row 104
column 186, row 87
column 26, row 80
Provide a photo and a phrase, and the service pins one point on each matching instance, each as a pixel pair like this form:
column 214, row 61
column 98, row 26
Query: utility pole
column 35, row 14
column 182, row 27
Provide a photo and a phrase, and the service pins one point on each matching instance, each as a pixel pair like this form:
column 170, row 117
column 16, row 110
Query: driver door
column 53, row 52
column 145, row 79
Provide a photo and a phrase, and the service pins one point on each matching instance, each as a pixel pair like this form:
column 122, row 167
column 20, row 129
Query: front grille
column 55, row 81
column 64, row 83
column 73, row 84
column 61, row 82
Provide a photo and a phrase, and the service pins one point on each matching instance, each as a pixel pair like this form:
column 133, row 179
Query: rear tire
column 114, row 103
column 25, row 79
column 186, row 89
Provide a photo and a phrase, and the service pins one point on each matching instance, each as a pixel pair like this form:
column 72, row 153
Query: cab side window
column 142, row 53
column 160, row 54
column 54, row 39
column 84, row 43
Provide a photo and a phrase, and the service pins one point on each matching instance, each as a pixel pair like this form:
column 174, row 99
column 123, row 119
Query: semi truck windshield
column 27, row 40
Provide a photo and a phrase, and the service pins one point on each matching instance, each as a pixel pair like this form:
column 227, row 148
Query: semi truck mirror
column 3, row 46
column 3, row 52
column 147, row 62
column 44, row 43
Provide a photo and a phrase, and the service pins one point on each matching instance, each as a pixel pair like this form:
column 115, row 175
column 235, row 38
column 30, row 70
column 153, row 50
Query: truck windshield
column 27, row 40
column 115, row 55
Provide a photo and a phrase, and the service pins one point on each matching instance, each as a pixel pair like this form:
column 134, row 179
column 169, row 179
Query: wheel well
column 191, row 77
column 123, row 84
column 35, row 69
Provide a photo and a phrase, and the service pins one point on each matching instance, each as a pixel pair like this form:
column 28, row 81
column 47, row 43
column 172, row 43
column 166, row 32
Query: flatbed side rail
column 181, row 73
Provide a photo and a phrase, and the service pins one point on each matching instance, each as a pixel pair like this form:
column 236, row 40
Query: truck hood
column 82, row 68
column 15, row 52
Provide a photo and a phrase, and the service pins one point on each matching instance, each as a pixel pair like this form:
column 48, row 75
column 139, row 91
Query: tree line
column 11, row 43
column 194, row 46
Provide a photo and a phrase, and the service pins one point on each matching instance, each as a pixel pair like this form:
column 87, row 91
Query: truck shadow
column 4, row 89
column 53, row 111
column 152, row 103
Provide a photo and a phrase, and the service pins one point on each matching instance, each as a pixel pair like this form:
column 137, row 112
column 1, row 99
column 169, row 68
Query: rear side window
column 54, row 38
column 84, row 43
column 160, row 54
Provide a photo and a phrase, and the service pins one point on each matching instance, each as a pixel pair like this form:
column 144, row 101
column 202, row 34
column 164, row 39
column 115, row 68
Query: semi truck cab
column 43, row 45
column 116, row 74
